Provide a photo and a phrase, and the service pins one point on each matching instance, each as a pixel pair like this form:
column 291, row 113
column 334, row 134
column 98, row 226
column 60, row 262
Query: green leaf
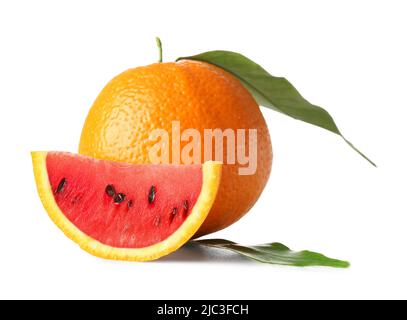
column 276, row 253
column 272, row 92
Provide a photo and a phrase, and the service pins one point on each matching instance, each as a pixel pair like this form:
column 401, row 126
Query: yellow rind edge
column 211, row 175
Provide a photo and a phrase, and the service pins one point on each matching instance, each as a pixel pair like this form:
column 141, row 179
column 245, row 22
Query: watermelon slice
column 125, row 211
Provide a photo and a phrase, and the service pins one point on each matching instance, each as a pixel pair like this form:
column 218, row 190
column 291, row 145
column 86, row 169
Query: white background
column 348, row 56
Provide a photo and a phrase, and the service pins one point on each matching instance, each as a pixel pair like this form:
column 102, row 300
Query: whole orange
column 199, row 96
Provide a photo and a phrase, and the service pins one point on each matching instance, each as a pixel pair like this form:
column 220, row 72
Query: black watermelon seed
column 185, row 205
column 119, row 198
column 151, row 194
column 130, row 203
column 61, row 185
column 110, row 191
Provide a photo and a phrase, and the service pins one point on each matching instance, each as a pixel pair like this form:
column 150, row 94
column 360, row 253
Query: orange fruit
column 198, row 95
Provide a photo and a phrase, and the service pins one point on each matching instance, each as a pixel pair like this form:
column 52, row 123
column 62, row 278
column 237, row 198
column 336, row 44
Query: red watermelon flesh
column 123, row 205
